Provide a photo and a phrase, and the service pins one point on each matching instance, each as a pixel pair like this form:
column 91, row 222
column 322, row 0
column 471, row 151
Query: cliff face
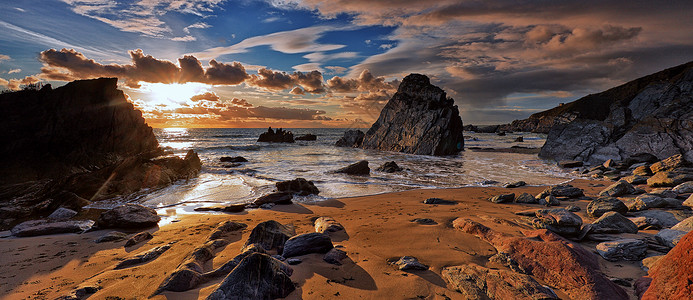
column 78, row 143
column 652, row 114
column 418, row 119
column 81, row 126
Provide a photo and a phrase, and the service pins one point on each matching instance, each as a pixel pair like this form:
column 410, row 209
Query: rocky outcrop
column 672, row 274
column 307, row 137
column 278, row 136
column 257, row 276
column 418, row 119
column 477, row 282
column 358, row 168
column 82, row 142
column 299, row 186
column 652, row 114
column 551, row 259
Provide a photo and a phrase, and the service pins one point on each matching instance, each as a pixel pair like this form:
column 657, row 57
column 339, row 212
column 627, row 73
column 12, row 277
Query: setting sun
column 173, row 95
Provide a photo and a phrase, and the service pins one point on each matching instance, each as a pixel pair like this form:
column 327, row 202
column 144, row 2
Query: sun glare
column 173, row 95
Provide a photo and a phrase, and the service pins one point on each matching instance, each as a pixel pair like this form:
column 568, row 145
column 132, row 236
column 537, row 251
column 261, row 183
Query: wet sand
column 378, row 227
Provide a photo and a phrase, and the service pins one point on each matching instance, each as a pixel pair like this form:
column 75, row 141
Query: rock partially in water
column 307, row 137
column 130, row 216
column 274, row 198
column 389, row 167
column 299, row 186
column 418, row 119
column 235, row 159
column 278, row 136
column 359, row 168
column 351, row 138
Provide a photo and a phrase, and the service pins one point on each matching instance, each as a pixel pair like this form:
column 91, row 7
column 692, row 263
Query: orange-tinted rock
column 672, row 276
column 551, row 259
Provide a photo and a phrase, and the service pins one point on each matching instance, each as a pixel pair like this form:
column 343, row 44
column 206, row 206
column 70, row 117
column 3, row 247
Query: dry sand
column 378, row 227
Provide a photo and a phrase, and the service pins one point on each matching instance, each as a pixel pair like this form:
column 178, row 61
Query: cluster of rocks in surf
column 79, row 143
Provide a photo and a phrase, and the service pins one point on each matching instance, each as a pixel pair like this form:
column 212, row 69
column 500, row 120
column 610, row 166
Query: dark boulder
column 617, row 189
column 418, row 119
column 235, row 159
column 351, row 138
column 335, row 256
column 439, row 201
column 299, row 186
column 558, row 220
column 270, row 235
column 409, row 263
column 307, row 137
column 257, row 276
column 570, row 164
column 359, row 168
column 613, row 222
column 389, row 167
column 132, row 216
column 596, row 208
column 274, row 198
column 503, row 198
column 561, row 190
column 307, row 243
column 278, row 136
column 624, row 249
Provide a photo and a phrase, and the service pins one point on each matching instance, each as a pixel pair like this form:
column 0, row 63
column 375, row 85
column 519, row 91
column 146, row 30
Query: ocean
column 316, row 160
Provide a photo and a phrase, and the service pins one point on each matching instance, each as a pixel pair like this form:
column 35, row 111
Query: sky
column 335, row 63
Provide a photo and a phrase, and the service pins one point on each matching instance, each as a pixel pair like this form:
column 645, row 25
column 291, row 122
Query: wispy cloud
column 143, row 17
column 301, row 40
column 14, row 71
column 32, row 37
column 3, row 56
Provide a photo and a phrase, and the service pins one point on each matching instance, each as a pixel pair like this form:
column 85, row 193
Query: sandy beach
column 378, row 228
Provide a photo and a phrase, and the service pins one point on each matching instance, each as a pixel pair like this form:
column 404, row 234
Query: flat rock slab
column 112, row 236
column 62, row 214
column 424, row 221
column 45, row 227
column 624, row 249
column 596, row 208
column 669, row 237
column 138, row 238
column 144, row 257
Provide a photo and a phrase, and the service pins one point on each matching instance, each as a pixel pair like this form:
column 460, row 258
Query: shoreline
column 378, row 227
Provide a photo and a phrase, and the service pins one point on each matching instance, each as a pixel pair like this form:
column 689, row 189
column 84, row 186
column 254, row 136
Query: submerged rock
column 418, row 119
column 389, row 167
column 235, row 159
column 278, row 136
column 359, row 168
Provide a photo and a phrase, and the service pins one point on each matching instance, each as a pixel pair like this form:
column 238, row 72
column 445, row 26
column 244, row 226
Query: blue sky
column 335, row 63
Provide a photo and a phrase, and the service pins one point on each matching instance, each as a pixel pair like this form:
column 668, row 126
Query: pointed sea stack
column 418, row 119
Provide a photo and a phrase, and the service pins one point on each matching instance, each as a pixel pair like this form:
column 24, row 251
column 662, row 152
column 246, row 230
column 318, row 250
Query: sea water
column 268, row 163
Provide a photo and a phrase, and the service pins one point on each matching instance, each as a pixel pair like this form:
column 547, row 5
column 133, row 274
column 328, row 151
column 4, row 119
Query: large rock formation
column 74, row 144
column 418, row 119
column 652, row 114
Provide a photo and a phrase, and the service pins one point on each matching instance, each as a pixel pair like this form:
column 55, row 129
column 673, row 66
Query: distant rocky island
column 418, row 119
column 82, row 142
